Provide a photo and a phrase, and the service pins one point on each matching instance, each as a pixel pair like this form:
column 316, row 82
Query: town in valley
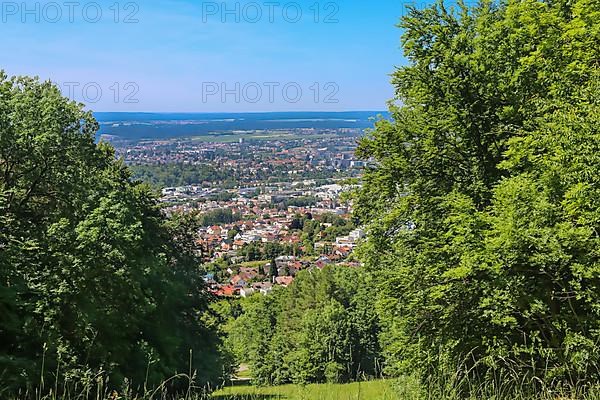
column 269, row 203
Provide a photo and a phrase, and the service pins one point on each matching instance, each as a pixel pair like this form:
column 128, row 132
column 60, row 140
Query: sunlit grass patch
column 380, row 390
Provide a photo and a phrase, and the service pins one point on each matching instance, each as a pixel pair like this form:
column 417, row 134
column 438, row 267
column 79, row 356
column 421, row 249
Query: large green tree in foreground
column 94, row 282
column 482, row 198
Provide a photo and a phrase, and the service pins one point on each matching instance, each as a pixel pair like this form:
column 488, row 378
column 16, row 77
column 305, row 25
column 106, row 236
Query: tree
column 252, row 251
column 94, row 280
column 321, row 328
column 476, row 199
column 297, row 223
column 233, row 232
column 273, row 271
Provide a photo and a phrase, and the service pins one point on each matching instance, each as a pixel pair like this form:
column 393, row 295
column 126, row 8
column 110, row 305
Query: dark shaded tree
column 92, row 276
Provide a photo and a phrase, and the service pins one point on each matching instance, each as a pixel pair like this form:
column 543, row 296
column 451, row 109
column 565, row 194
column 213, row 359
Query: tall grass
column 89, row 385
column 506, row 383
column 403, row 388
column 452, row 383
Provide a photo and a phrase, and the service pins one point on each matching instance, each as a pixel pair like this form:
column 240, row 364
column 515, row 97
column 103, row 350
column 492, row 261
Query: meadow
column 410, row 388
column 380, row 390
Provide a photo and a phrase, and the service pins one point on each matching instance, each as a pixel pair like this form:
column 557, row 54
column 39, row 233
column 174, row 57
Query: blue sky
column 201, row 56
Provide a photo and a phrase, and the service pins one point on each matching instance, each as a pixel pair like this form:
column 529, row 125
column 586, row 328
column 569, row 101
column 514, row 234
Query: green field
column 253, row 264
column 374, row 390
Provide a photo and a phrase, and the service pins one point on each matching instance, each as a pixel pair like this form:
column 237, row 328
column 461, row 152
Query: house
column 228, row 291
column 266, row 268
column 284, row 281
column 285, row 258
column 351, row 240
column 263, row 287
column 296, row 266
column 214, row 230
column 209, row 278
column 238, row 281
column 343, row 251
column 249, row 270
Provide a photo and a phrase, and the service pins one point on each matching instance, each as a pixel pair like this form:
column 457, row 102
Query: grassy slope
column 376, row 390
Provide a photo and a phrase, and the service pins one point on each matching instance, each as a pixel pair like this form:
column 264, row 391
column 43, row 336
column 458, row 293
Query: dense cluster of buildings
column 261, row 225
column 276, row 181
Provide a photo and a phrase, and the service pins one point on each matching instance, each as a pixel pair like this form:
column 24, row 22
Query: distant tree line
column 179, row 174
column 300, row 201
column 182, row 174
column 257, row 251
column 219, row 216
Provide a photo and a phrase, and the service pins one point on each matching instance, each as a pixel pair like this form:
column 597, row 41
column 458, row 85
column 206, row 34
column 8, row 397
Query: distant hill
column 168, row 125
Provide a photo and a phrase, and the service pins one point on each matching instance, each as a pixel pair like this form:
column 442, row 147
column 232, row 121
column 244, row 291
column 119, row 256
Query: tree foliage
column 481, row 197
column 177, row 174
column 94, row 282
column 320, row 329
